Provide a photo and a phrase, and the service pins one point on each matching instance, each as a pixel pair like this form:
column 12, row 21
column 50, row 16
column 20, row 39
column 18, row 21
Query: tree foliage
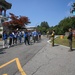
column 61, row 28
column 44, row 24
column 43, row 27
column 65, row 24
column 16, row 22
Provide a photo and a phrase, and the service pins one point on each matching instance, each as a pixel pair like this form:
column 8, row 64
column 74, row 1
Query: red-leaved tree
column 16, row 22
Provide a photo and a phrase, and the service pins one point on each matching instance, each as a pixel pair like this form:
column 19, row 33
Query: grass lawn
column 64, row 41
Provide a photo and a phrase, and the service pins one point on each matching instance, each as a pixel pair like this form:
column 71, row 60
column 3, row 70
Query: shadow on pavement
column 73, row 49
column 56, row 45
column 2, row 50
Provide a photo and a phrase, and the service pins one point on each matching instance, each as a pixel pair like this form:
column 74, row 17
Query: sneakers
column 3, row 46
column 8, row 46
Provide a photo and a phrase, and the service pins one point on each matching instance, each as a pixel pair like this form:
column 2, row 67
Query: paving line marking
column 7, row 63
column 18, row 65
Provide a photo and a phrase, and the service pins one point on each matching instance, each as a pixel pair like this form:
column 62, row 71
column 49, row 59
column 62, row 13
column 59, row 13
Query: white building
column 30, row 27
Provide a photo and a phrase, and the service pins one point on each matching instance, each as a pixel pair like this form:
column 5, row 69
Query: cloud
column 70, row 3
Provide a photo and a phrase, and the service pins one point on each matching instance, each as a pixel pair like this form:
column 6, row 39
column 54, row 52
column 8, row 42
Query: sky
column 51, row 11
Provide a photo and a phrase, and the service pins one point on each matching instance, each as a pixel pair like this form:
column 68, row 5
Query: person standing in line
column 52, row 35
column 20, row 36
column 70, row 38
column 13, row 38
column 10, row 38
column 35, row 35
column 26, row 37
column 39, row 35
column 4, row 38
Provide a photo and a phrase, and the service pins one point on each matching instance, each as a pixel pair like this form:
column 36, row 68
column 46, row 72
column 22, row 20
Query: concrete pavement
column 51, row 61
column 1, row 44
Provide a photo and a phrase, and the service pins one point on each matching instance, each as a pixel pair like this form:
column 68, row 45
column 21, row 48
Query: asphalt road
column 12, row 58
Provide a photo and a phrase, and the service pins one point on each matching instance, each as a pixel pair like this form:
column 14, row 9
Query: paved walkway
column 1, row 44
column 49, row 60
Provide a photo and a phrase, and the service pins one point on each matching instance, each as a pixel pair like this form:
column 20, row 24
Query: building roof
column 5, row 4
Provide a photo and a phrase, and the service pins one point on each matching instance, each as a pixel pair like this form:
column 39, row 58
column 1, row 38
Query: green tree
column 64, row 25
column 43, row 27
column 44, row 24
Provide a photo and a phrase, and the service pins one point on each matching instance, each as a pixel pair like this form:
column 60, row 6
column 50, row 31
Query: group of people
column 11, row 38
column 14, row 37
column 31, row 36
